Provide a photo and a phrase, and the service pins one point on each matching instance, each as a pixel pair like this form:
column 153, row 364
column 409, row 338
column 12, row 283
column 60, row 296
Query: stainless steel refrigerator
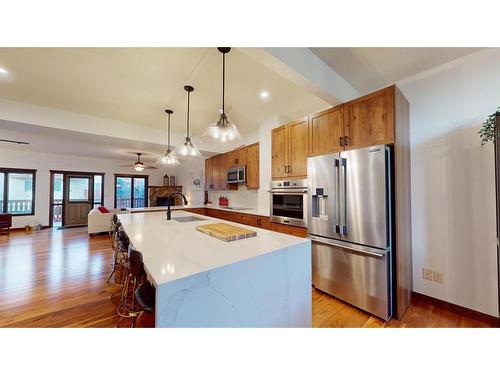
column 349, row 223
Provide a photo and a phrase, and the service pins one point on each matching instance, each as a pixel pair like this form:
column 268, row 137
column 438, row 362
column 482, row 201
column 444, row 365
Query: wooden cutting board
column 226, row 232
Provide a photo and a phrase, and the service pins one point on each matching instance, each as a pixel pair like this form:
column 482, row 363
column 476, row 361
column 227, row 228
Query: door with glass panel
column 78, row 198
column 131, row 191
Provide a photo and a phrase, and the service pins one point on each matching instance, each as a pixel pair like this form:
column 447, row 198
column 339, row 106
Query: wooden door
column 252, row 163
column 279, row 152
column 78, row 198
column 298, row 143
column 369, row 120
column 326, row 130
column 209, row 177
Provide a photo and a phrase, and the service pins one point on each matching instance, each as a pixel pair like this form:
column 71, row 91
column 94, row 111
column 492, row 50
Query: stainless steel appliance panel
column 365, row 216
column 289, row 202
column 322, row 195
column 359, row 276
column 236, row 175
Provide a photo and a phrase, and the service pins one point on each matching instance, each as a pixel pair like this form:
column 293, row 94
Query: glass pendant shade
column 223, row 129
column 169, row 157
column 139, row 167
column 187, row 148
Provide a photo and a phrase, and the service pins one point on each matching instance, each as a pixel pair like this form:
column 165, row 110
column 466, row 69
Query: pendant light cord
column 223, row 81
column 168, row 133
column 187, row 125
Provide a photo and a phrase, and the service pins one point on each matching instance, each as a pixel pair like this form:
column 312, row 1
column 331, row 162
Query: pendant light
column 187, row 149
column 169, row 158
column 224, row 128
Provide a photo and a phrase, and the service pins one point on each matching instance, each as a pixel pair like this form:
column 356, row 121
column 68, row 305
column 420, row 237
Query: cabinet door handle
column 341, row 141
column 286, row 168
column 289, row 169
column 346, row 140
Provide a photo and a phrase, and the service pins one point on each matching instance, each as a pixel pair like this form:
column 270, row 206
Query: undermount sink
column 185, row 219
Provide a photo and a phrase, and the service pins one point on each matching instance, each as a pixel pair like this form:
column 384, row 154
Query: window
column 79, row 189
column 131, row 191
column 17, row 191
column 98, row 189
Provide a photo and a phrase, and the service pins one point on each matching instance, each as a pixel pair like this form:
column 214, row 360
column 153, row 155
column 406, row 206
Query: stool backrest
column 123, row 240
column 136, row 266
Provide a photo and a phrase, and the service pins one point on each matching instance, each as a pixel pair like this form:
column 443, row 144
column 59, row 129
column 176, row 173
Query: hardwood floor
column 57, row 278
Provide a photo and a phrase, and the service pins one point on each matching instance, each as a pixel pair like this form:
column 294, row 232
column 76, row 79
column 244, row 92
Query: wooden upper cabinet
column 209, row 178
column 252, row 162
column 279, row 152
column 298, row 149
column 326, row 128
column 369, row 120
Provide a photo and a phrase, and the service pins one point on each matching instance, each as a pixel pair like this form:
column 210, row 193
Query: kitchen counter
column 201, row 281
column 247, row 210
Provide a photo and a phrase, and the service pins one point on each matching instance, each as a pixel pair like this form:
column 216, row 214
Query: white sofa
column 99, row 222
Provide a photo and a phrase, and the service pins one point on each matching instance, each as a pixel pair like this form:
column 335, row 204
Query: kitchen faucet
column 169, row 201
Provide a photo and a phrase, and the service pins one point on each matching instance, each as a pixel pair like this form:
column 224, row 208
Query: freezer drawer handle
column 354, row 250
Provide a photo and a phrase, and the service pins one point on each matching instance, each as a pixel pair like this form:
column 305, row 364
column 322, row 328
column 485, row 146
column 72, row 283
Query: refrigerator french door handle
column 342, row 195
column 336, row 202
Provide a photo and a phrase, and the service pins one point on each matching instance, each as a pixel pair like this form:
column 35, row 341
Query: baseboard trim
column 473, row 314
column 21, row 229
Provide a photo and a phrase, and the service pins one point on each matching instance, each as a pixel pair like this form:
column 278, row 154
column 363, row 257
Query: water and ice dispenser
column 319, row 204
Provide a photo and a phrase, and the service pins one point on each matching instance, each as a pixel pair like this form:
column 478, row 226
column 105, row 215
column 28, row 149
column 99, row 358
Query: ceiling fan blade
column 126, row 165
column 150, row 167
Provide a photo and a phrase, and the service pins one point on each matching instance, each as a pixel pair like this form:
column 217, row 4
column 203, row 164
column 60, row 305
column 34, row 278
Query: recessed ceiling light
column 3, row 71
column 264, row 94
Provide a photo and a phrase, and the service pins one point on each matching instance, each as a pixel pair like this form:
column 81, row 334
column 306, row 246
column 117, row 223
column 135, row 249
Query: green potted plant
column 487, row 132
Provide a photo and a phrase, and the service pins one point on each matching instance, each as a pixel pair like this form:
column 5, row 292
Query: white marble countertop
column 243, row 210
column 173, row 250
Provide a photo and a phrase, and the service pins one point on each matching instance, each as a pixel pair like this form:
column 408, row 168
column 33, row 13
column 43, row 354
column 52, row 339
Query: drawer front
column 361, row 280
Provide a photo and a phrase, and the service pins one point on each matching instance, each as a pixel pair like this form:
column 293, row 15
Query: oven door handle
column 288, row 191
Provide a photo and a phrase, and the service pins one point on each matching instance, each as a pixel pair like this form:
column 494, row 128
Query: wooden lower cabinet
column 255, row 221
column 288, row 229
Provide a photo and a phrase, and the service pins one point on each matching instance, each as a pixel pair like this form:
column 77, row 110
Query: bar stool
column 120, row 245
column 128, row 307
column 114, row 223
column 145, row 295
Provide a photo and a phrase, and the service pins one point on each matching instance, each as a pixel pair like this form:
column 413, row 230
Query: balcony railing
column 127, row 202
column 23, row 206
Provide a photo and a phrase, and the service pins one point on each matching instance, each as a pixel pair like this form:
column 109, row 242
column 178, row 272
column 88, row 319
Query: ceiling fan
column 139, row 166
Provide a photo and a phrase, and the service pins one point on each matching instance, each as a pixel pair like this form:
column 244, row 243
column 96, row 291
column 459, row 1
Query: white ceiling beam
column 305, row 69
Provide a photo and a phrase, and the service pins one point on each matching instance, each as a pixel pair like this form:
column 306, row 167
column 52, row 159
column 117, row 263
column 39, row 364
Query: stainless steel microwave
column 236, row 175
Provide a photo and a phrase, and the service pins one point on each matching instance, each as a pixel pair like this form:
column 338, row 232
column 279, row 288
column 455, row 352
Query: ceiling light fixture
column 3, row 71
column 264, row 94
column 224, row 129
column 139, row 165
column 169, row 158
column 188, row 149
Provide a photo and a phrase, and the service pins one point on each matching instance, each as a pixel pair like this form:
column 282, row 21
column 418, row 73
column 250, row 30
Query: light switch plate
column 427, row 274
column 437, row 276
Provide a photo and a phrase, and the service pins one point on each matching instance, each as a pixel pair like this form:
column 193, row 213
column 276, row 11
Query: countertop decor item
column 188, row 149
column 224, row 128
column 169, row 158
column 487, row 132
column 166, row 180
column 172, row 180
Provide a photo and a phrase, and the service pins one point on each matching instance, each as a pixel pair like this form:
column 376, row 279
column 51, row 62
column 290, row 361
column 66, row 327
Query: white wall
column 43, row 162
column 255, row 198
column 453, row 187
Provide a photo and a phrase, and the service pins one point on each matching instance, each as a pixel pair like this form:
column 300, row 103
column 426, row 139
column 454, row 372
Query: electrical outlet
column 437, row 276
column 427, row 274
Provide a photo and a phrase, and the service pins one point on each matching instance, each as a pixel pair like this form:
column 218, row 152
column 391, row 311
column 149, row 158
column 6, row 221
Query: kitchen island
column 201, row 281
